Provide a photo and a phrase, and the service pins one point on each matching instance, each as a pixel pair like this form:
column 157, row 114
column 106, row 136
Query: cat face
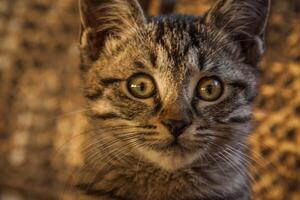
column 172, row 90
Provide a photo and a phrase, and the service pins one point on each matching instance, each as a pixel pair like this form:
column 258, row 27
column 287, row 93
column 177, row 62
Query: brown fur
column 130, row 153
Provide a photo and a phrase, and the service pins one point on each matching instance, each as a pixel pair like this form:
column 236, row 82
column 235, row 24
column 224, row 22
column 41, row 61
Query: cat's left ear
column 245, row 21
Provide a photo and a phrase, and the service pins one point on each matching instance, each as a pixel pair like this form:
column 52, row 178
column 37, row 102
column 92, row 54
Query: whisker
column 238, row 170
column 58, row 149
column 92, row 158
column 117, row 153
column 212, row 135
column 74, row 173
column 243, row 157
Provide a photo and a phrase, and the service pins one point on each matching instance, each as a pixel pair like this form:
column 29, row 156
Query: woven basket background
column 41, row 108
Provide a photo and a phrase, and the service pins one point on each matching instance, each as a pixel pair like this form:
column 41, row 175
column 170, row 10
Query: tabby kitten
column 170, row 99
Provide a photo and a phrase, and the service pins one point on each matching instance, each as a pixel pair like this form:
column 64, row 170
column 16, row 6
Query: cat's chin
column 172, row 160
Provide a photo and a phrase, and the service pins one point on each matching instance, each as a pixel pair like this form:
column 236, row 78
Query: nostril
column 176, row 127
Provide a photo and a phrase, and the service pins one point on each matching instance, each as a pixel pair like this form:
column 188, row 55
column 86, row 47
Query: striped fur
column 133, row 156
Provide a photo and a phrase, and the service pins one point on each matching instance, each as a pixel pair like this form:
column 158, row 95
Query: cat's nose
column 176, row 127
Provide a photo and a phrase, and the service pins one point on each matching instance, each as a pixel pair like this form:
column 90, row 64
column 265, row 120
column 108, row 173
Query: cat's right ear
column 102, row 20
column 245, row 21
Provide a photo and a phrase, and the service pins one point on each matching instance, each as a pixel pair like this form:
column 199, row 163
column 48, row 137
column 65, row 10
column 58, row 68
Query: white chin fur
column 170, row 161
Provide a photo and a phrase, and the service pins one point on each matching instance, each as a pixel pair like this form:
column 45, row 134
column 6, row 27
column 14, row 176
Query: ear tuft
column 105, row 19
column 245, row 21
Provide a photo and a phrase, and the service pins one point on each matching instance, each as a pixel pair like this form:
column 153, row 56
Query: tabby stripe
column 147, row 126
column 153, row 59
column 239, row 84
column 250, row 96
column 96, row 192
column 240, row 119
column 110, row 81
column 106, row 116
column 99, row 193
column 158, row 105
column 202, row 128
column 94, row 96
column 139, row 65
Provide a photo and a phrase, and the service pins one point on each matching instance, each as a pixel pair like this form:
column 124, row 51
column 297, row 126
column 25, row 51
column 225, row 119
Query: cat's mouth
column 174, row 146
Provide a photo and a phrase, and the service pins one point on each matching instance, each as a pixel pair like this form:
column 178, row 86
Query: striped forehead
column 178, row 67
column 173, row 77
column 183, row 41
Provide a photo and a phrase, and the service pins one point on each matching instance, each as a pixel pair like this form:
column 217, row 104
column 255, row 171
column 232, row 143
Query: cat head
column 171, row 89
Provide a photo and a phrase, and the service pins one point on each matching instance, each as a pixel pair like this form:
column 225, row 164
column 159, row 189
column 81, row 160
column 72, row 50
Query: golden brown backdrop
column 41, row 108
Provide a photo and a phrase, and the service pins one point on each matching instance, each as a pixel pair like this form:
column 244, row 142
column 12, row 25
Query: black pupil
column 142, row 87
column 209, row 89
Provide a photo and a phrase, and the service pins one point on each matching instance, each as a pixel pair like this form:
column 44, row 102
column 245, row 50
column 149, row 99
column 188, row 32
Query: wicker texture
column 42, row 123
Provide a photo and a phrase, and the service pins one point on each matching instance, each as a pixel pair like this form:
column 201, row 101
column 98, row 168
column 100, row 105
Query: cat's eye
column 210, row 89
column 141, row 86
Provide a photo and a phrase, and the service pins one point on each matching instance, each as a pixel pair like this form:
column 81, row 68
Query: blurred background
column 42, row 112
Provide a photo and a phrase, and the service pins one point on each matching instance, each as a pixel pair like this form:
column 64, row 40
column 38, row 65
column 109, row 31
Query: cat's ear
column 245, row 21
column 102, row 20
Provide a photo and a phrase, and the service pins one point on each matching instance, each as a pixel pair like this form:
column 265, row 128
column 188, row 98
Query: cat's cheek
column 101, row 107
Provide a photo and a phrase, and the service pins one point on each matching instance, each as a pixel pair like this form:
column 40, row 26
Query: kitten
column 170, row 99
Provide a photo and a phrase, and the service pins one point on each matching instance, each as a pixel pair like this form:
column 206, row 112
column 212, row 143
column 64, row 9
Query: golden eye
column 210, row 89
column 141, row 86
